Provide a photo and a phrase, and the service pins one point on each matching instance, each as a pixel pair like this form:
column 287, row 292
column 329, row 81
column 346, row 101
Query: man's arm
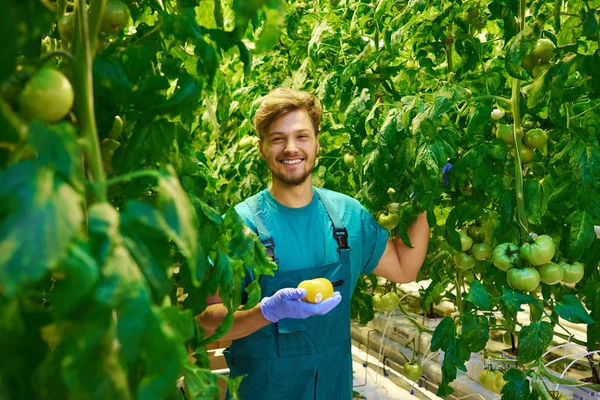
column 400, row 263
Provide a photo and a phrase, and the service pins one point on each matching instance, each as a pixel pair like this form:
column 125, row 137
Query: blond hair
column 281, row 101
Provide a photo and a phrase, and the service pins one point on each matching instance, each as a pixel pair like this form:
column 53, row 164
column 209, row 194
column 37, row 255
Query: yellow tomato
column 317, row 290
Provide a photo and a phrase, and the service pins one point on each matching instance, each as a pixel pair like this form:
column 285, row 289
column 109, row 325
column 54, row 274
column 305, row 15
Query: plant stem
column 416, row 323
column 459, row 281
column 493, row 97
column 84, row 90
column 132, row 175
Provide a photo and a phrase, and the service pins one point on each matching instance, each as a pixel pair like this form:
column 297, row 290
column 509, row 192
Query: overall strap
column 340, row 233
column 263, row 233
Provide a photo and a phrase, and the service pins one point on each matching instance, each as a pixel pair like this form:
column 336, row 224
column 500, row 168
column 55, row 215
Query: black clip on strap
column 270, row 249
column 341, row 235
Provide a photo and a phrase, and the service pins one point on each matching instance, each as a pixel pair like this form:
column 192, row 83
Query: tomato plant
column 523, row 279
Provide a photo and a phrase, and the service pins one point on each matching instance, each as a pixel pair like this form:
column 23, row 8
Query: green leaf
column 537, row 194
column 581, row 233
column 40, row 214
column 181, row 321
column 200, row 383
column 271, row 29
column 534, row 339
column 517, row 386
column 513, row 300
column 518, row 47
column 479, row 296
column 475, row 332
column 571, row 309
column 356, row 108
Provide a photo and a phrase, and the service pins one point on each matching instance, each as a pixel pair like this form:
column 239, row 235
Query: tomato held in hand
column 317, row 290
column 551, row 273
column 413, row 370
column 539, row 252
column 523, row 279
column 506, row 256
column 48, row 96
column 573, row 272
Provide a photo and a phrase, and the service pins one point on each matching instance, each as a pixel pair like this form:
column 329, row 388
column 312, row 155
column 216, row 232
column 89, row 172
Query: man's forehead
column 278, row 132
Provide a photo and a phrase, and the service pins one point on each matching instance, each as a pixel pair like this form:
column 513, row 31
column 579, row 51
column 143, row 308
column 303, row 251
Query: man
column 286, row 347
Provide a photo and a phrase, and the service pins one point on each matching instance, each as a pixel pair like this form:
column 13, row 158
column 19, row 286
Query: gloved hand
column 287, row 303
column 445, row 170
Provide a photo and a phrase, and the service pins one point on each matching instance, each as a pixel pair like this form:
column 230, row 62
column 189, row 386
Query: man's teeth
column 291, row 161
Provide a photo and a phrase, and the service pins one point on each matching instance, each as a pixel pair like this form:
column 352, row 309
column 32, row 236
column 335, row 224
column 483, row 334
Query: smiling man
column 286, row 347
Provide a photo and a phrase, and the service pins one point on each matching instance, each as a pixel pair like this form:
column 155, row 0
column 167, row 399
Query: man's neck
column 292, row 196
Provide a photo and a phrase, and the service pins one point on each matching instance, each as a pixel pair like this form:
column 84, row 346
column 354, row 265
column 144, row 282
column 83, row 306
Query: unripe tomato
column 463, row 260
column 499, row 382
column 543, row 50
column 535, row 138
column 116, row 16
column 48, row 96
column 539, row 252
column 551, row 273
column 350, row 161
column 506, row 256
column 413, row 370
column 527, row 121
column 487, row 378
column 525, row 152
column 481, row 251
column 505, row 133
column 523, row 279
column 317, row 289
column 66, row 24
column 497, row 114
column 465, row 241
column 528, row 63
column 573, row 272
column 387, row 302
column 388, row 221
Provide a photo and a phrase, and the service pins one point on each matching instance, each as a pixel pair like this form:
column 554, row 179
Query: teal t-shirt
column 303, row 237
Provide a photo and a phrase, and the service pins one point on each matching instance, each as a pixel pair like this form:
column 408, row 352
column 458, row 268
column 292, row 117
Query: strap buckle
column 341, row 235
column 270, row 249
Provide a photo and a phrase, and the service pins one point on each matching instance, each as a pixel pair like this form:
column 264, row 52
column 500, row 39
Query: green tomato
column 116, row 16
column 498, row 151
column 539, row 69
column 66, row 24
column 465, row 241
column 413, row 370
column 573, row 272
column 505, row 133
column 481, row 251
column 385, row 303
column 506, row 338
column 506, row 256
column 463, row 260
column 543, row 50
column 350, row 161
column 535, row 138
column 487, row 378
column 551, row 273
column 525, row 152
column 477, row 232
column 499, row 382
column 48, row 96
column 539, row 252
column 528, row 63
column 388, row 221
column 527, row 121
column 523, row 279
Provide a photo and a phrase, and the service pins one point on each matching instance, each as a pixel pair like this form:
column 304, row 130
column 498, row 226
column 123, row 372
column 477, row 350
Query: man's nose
column 290, row 146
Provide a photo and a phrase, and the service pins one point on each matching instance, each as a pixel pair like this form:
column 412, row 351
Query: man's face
column 290, row 148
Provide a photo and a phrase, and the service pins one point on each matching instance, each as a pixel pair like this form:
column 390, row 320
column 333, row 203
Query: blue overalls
column 298, row 359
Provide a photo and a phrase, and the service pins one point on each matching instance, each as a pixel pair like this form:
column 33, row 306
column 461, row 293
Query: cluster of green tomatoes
column 534, row 138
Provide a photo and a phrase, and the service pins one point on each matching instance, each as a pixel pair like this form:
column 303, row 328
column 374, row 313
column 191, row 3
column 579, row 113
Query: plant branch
column 493, row 97
column 148, row 173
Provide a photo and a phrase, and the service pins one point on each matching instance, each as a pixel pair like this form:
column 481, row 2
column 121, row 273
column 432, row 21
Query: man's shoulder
column 340, row 199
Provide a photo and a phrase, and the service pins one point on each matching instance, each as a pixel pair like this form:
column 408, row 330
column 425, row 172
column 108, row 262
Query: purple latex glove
column 445, row 170
column 287, row 303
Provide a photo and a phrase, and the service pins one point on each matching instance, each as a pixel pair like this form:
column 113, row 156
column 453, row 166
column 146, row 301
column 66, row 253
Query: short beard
column 293, row 181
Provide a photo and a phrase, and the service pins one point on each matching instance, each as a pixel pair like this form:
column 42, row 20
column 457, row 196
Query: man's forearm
column 245, row 322
column 411, row 259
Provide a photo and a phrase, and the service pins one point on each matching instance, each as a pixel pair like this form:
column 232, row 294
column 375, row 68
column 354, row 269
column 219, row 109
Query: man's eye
column 276, row 140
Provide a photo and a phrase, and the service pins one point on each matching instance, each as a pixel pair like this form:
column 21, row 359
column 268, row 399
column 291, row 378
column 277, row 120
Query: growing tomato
column 487, row 377
column 505, row 133
column 551, row 273
column 481, row 251
column 527, row 121
column 388, row 221
column 116, row 16
column 535, row 138
column 463, row 260
column 525, row 152
column 66, row 24
column 506, row 256
column 389, row 301
column 573, row 272
column 413, row 370
column 497, row 114
column 539, row 69
column 350, row 161
column 539, row 252
column 528, row 63
column 498, row 151
column 317, row 289
column 543, row 50
column 499, row 382
column 465, row 241
column 523, row 279
column 48, row 96
column 506, row 338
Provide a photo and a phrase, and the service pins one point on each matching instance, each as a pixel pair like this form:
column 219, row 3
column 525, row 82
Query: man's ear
column 260, row 149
